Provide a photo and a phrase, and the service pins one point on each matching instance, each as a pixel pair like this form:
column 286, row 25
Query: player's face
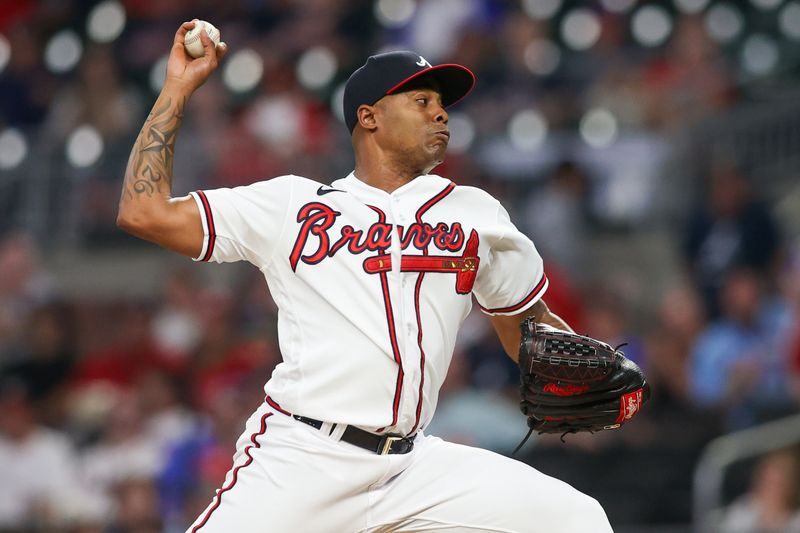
column 415, row 126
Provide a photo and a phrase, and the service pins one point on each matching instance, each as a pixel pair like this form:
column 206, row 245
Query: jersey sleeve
column 243, row 223
column 512, row 278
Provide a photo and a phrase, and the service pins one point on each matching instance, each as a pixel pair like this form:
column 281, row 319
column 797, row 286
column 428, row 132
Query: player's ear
column 366, row 117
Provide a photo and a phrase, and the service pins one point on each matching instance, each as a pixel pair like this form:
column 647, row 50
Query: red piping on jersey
column 421, row 211
column 392, row 331
column 272, row 403
column 536, row 290
column 218, row 497
column 212, row 232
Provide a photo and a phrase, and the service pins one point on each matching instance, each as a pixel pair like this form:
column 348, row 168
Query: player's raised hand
column 186, row 70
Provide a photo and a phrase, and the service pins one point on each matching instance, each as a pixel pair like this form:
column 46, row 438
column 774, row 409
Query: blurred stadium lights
column 243, row 70
column 766, row 4
column 63, row 51
column 277, row 120
column 316, row 68
column 580, row 28
column 13, row 148
column 337, row 101
column 542, row 56
column 158, row 73
column 106, row 21
column 651, row 25
column 690, row 7
column 759, row 54
column 617, row 6
column 462, row 132
column 724, row 22
column 598, row 128
column 541, row 9
column 394, row 13
column 84, row 146
column 789, row 20
column 5, row 52
column 527, row 129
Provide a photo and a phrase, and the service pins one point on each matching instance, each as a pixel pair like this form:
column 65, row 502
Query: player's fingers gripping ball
column 192, row 42
column 572, row 383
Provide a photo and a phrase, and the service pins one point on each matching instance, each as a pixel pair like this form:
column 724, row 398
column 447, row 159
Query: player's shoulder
column 287, row 180
column 473, row 195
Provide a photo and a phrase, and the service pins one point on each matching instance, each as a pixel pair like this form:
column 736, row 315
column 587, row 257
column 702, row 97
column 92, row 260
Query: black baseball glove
column 572, row 383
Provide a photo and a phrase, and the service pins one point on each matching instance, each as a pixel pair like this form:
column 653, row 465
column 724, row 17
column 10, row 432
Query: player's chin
column 437, row 149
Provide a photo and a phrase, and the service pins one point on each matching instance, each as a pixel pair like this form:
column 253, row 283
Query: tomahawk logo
column 424, row 62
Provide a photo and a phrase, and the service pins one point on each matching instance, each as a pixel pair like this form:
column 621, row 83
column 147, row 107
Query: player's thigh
column 287, row 478
column 450, row 487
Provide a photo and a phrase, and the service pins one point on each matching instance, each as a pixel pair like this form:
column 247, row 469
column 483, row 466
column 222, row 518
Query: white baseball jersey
column 371, row 286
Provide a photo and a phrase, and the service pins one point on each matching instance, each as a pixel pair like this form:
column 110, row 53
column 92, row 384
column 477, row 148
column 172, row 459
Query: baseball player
column 373, row 275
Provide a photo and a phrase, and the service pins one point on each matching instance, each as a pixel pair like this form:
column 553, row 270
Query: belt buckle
column 387, row 445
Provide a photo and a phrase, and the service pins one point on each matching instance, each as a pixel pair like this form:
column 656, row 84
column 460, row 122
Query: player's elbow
column 134, row 222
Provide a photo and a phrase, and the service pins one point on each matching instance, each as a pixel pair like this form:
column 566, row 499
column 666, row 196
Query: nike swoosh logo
column 322, row 191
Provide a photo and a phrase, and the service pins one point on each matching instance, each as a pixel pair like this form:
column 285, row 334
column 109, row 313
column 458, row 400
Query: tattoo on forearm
column 150, row 167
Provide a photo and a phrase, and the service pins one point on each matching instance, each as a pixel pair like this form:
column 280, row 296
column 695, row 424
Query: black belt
column 380, row 444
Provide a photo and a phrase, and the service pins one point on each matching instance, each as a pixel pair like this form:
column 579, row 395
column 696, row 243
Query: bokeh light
column 766, row 4
column 106, row 21
column 759, row 54
column 542, row 57
column 724, row 22
column 541, row 9
column 691, row 7
column 394, row 13
column 84, row 146
column 580, row 29
column 337, row 101
column 13, row 148
column 651, row 25
column 617, row 6
column 63, row 51
column 789, row 20
column 316, row 68
column 158, row 73
column 462, row 132
column 527, row 129
column 243, row 70
column 5, row 52
column 598, row 128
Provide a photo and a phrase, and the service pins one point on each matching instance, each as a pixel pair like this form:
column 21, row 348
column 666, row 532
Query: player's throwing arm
column 146, row 208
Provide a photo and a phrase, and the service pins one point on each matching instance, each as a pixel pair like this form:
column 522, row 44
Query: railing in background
column 723, row 452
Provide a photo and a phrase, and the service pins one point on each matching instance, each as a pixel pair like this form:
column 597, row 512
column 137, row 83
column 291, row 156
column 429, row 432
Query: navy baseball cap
column 388, row 73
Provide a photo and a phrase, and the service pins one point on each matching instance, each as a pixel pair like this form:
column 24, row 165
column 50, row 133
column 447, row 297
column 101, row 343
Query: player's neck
column 386, row 174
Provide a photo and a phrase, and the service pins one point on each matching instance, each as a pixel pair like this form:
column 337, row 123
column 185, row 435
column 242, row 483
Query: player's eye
column 423, row 100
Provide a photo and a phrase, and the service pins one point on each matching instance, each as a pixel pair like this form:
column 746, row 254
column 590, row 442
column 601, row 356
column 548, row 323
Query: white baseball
column 192, row 42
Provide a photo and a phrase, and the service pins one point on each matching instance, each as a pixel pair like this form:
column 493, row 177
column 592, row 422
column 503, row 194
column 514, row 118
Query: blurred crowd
column 120, row 414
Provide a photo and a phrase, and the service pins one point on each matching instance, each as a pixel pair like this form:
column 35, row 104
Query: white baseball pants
column 288, row 477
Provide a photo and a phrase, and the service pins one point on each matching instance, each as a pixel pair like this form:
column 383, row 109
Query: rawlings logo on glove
column 571, row 383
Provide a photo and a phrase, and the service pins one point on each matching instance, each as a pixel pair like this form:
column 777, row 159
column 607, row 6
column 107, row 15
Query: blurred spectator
column 556, row 217
column 123, row 451
column 772, row 504
column 39, row 485
column 176, row 325
column 46, row 359
column 136, row 507
column 475, row 417
column 732, row 229
column 197, row 465
column 739, row 362
column 166, row 419
column 23, row 285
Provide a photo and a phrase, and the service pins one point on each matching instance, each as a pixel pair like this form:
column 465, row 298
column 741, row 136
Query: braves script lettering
column 316, row 220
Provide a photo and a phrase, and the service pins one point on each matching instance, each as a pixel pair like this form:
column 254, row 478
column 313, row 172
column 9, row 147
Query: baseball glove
column 572, row 383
